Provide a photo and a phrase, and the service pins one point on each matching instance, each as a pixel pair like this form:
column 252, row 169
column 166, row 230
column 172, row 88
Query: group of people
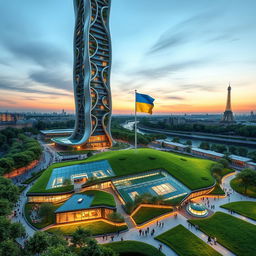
column 105, row 237
column 207, row 203
column 146, row 232
column 212, row 240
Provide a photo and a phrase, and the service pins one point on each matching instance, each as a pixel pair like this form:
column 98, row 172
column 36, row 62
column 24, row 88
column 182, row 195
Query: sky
column 183, row 53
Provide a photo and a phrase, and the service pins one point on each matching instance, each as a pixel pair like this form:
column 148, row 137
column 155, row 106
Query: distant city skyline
column 183, row 53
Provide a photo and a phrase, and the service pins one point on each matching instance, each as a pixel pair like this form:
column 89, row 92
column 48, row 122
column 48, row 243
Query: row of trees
column 143, row 199
column 18, row 150
column 224, row 149
column 42, row 125
column 9, row 231
column 81, row 244
column 123, row 134
column 234, row 129
column 247, row 178
column 41, row 243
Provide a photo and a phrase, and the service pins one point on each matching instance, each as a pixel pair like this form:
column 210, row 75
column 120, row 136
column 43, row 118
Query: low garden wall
column 21, row 170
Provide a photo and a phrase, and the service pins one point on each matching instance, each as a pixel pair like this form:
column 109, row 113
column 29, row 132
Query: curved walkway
column 169, row 222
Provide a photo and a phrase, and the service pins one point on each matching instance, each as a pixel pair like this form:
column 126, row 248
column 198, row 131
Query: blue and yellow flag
column 144, row 103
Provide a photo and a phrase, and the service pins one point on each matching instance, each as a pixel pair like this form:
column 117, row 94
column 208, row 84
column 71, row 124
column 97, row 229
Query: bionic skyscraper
column 91, row 76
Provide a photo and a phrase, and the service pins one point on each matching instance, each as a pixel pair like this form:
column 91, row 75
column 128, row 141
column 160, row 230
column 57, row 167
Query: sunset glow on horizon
column 182, row 53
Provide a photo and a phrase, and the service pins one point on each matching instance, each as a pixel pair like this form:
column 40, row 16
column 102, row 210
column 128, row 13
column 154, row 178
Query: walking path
column 169, row 222
column 120, row 210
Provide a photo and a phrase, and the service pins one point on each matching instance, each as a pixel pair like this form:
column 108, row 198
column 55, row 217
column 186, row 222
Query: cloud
column 12, row 85
column 41, row 53
column 168, row 41
column 51, row 79
column 173, row 98
column 166, row 70
column 181, row 33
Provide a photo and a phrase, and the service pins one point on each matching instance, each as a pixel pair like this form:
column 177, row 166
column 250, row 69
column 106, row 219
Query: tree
column 232, row 150
column 10, row 230
column 38, row 243
column 242, row 151
column 216, row 171
column 224, row 162
column 1, row 171
column 59, row 250
column 252, row 155
column 116, row 217
column 247, row 177
column 7, row 164
column 221, row 148
column 188, row 149
column 46, row 211
column 67, row 182
column 204, row 145
column 9, row 248
column 176, row 139
column 8, row 190
column 5, row 207
column 3, row 140
column 94, row 249
column 189, row 142
column 80, row 237
column 21, row 159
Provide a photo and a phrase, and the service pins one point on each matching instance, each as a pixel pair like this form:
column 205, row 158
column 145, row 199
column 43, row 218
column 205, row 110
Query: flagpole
column 135, row 125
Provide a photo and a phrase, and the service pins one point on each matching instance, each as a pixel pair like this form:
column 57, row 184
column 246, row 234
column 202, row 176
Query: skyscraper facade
column 91, row 76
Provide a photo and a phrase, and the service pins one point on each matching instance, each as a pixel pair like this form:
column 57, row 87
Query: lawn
column 44, row 223
column 192, row 172
column 185, row 243
column 145, row 214
column 245, row 208
column 175, row 201
column 101, row 198
column 132, row 248
column 218, row 191
column 96, row 227
column 235, row 234
column 238, row 187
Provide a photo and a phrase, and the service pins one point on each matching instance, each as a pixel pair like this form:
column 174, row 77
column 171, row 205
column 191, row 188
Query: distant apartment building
column 175, row 120
column 14, row 120
column 10, row 117
column 207, row 153
column 239, row 161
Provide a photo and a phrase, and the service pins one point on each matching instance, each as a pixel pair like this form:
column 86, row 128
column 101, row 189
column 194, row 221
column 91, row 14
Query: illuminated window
column 104, row 63
column 133, row 195
column 164, row 189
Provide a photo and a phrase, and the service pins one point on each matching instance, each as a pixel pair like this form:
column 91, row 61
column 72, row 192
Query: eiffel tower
column 228, row 114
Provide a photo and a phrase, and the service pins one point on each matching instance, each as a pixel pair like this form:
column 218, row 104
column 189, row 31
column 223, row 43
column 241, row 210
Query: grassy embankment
column 185, row 243
column 245, row 208
column 235, row 234
column 192, row 172
column 132, row 248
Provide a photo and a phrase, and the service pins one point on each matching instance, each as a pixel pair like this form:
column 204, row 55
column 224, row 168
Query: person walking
column 215, row 240
column 140, row 232
column 160, row 247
